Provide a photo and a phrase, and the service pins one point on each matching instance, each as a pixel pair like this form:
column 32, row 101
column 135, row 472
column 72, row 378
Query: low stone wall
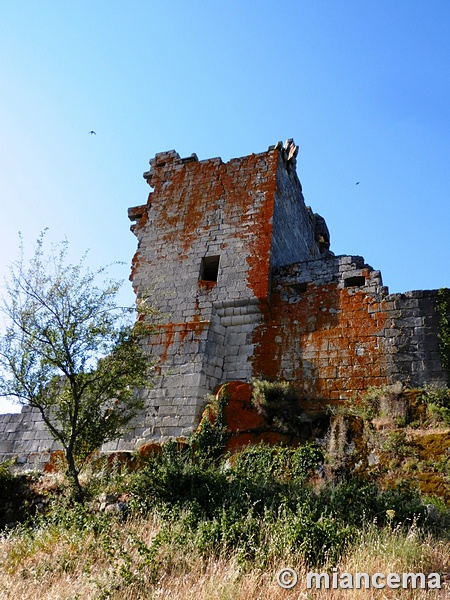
column 25, row 438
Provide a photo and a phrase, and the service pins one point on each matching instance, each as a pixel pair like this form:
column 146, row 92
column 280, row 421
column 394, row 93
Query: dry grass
column 53, row 564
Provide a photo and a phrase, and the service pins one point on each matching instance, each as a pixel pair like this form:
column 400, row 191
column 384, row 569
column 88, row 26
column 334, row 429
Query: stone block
column 240, row 320
column 6, row 446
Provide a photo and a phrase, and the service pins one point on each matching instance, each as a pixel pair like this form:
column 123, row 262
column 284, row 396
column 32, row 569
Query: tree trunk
column 72, row 473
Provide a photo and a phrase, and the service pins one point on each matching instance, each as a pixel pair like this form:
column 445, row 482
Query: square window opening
column 357, row 281
column 209, row 269
column 299, row 288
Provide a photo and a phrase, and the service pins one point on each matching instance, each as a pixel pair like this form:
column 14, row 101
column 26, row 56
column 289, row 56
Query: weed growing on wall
column 277, row 402
column 437, row 401
column 209, row 441
column 444, row 328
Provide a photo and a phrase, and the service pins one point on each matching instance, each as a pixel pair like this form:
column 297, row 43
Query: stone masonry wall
column 333, row 330
column 241, row 272
column 250, row 214
column 411, row 338
column 25, row 437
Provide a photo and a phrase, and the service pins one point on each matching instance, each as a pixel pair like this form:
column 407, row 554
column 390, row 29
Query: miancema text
column 359, row 581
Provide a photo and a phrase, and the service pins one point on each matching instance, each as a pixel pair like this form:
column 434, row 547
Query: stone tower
column 241, row 272
column 209, row 239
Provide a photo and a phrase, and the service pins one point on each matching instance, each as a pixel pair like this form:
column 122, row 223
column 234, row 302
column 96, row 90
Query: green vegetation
column 394, row 434
column 403, row 406
column 261, row 507
column 194, row 521
column 12, row 495
column 71, row 352
column 444, row 327
column 208, row 442
column 278, row 403
column 437, row 401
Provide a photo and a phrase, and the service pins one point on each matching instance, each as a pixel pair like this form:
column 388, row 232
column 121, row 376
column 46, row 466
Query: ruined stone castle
column 241, row 272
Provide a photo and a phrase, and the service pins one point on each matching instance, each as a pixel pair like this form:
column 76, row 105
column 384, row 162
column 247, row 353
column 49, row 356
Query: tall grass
column 204, row 529
column 134, row 561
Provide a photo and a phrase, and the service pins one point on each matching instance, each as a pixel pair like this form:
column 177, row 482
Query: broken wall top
column 248, row 215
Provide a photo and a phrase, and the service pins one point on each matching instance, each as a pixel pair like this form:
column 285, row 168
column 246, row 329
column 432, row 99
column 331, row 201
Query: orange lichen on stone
column 239, row 413
column 206, row 285
column 55, row 463
column 251, row 199
column 170, row 333
column 189, row 198
column 244, row 425
column 184, row 207
column 135, row 264
column 150, row 450
column 169, row 336
column 328, row 343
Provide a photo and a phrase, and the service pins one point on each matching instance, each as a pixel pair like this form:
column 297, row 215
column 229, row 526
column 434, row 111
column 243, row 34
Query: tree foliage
column 71, row 352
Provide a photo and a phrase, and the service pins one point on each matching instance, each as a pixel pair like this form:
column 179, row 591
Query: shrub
column 383, row 401
column 437, row 400
column 318, row 538
column 260, row 504
column 208, row 442
column 306, row 460
column 13, row 493
column 358, row 502
column 278, row 403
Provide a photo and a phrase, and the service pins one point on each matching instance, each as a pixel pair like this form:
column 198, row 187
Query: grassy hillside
column 193, row 522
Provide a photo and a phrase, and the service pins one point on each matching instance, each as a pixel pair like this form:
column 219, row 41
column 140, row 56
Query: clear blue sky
column 362, row 87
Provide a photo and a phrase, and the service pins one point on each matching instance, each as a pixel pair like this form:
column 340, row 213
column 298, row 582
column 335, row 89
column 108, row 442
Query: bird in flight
column 357, row 183
column 92, row 132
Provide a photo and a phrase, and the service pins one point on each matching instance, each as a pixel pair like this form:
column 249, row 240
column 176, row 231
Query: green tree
column 70, row 351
